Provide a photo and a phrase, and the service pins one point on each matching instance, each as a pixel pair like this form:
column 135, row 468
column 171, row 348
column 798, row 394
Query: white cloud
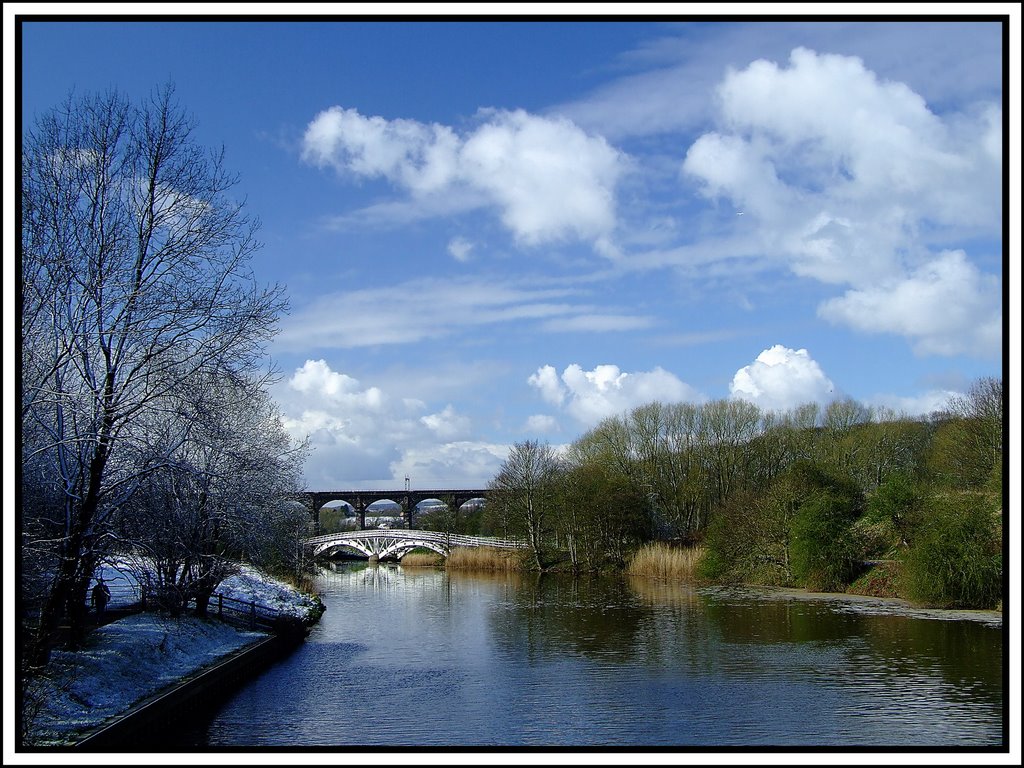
column 448, row 424
column 782, row 378
column 546, row 380
column 667, row 79
column 947, row 307
column 915, row 405
column 548, row 179
column 361, row 434
column 430, row 308
column 541, row 423
column 465, row 464
column 590, row 396
column 851, row 180
column 460, row 249
column 418, row 156
column 316, row 378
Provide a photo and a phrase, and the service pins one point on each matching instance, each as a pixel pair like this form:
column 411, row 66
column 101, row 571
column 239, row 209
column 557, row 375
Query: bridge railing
column 437, row 537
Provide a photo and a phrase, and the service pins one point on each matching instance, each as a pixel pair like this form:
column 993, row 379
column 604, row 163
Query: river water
column 420, row 657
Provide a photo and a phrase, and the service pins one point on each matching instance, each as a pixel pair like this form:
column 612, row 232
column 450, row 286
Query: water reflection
column 518, row 659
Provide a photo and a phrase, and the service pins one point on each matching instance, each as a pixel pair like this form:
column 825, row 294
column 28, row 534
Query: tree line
column 805, row 497
column 146, row 428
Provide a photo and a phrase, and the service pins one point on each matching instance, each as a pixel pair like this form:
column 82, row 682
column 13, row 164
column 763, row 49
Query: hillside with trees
column 835, row 498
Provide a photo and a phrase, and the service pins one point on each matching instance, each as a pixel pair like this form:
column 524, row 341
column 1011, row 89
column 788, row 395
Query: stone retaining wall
column 138, row 729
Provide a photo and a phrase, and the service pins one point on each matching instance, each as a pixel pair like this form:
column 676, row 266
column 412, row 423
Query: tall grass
column 422, row 560
column 484, row 559
column 663, row 561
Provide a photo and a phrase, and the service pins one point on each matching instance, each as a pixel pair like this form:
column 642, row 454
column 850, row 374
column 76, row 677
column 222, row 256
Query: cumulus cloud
column 840, row 172
column 947, row 307
column 448, row 424
column 590, row 396
column 547, row 178
column 782, row 378
column 363, row 436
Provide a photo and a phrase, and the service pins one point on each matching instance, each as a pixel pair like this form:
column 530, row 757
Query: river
column 420, row 657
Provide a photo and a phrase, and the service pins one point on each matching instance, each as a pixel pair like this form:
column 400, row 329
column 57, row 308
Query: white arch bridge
column 396, row 542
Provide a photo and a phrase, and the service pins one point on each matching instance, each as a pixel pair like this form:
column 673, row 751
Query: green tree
column 897, row 504
column 798, row 531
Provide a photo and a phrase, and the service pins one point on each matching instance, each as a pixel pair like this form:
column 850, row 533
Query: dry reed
column 484, row 559
column 422, row 560
column 662, row 561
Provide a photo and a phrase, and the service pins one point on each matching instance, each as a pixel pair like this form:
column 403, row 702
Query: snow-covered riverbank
column 128, row 660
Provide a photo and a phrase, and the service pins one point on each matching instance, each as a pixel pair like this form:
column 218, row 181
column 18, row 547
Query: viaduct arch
column 408, row 500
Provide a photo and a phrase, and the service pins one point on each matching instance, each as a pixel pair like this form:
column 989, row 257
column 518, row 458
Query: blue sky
column 500, row 231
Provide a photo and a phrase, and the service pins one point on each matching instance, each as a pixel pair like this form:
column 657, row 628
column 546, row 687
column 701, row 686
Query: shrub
column 882, row 580
column 956, row 560
column 896, row 505
column 824, row 548
column 747, row 541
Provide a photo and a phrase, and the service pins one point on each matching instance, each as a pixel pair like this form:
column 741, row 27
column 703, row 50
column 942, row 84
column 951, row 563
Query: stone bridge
column 408, row 500
column 396, row 542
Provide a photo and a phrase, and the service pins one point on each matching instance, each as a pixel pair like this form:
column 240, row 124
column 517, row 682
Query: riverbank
column 670, row 565
column 862, row 604
column 137, row 657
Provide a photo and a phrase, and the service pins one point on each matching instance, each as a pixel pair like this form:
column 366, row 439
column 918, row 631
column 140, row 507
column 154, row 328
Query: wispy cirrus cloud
column 433, row 308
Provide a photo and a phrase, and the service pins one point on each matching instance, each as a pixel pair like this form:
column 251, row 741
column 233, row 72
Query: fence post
column 220, row 606
column 252, row 615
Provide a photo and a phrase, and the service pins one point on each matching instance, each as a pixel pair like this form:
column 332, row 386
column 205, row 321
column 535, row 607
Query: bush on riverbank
column 664, row 561
column 485, row 559
column 956, row 560
column 798, row 532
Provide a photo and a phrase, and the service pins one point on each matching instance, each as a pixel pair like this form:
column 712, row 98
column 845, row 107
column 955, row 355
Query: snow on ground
column 122, row 663
column 130, row 659
column 252, row 586
column 249, row 585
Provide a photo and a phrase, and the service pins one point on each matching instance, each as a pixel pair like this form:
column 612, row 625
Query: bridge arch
column 360, row 500
column 375, row 549
column 397, row 542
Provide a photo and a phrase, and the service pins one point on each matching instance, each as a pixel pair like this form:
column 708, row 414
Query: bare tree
column 525, row 489
column 968, row 446
column 135, row 278
column 220, row 496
